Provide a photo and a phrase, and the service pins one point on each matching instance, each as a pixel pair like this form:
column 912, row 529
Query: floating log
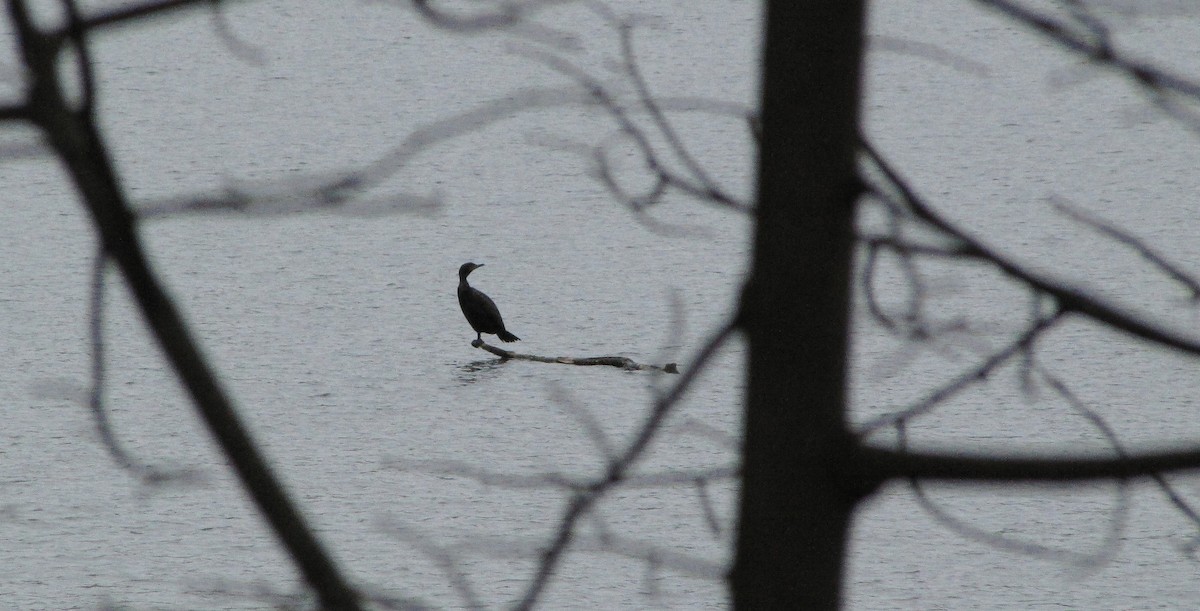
column 613, row 361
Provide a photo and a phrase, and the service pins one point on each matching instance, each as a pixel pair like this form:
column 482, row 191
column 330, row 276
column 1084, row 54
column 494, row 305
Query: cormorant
column 479, row 309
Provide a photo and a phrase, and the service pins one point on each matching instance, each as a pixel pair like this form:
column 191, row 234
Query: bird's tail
column 508, row 337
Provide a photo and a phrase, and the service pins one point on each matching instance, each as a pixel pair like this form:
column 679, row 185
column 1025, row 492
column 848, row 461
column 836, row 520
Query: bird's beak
column 480, row 265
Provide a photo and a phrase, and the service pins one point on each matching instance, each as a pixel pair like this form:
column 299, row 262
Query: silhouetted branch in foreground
column 1103, row 552
column 1140, row 246
column 612, row 361
column 1086, row 34
column 1173, row 495
column 145, row 472
column 584, row 492
column 1087, row 560
column 881, row 464
column 1069, row 298
column 72, row 131
column 618, row 469
column 977, row 375
column 666, row 161
column 508, row 14
column 441, row 555
column 556, row 480
column 344, row 191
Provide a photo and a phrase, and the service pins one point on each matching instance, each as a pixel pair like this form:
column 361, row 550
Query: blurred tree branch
column 804, row 430
column 72, row 132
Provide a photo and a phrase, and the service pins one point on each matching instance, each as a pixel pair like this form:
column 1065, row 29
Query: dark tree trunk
column 795, row 503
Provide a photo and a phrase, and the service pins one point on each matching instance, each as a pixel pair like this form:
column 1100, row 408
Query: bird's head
column 467, row 268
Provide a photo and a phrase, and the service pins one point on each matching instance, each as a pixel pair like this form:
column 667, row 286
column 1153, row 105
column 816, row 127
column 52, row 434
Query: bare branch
column 1091, row 39
column 343, row 190
column 442, row 556
column 240, row 48
column 136, row 13
column 710, row 512
column 76, row 139
column 641, row 204
column 904, row 247
column 546, row 480
column 973, row 376
column 693, row 181
column 146, row 473
column 1069, row 298
column 1102, row 554
column 605, row 543
column 910, row 320
column 587, row 420
column 603, row 96
column 1167, row 489
column 620, row 362
column 340, row 193
column 582, row 501
column 691, row 426
column 554, row 480
column 924, row 50
column 657, row 557
column 1138, row 245
column 880, row 464
column 507, row 13
column 647, row 100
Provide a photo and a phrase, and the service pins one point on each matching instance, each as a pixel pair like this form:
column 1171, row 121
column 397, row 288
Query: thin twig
column 603, row 96
column 1109, row 433
column 586, row 419
column 660, row 120
column 975, row 375
column 582, row 501
column 138, row 13
column 1138, row 245
column 441, row 556
column 1069, row 298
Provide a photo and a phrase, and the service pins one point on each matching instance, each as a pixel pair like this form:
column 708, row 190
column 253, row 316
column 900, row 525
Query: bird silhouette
column 479, row 309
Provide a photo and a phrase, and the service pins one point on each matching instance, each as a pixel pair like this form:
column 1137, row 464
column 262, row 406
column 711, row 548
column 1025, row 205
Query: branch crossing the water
column 614, row 361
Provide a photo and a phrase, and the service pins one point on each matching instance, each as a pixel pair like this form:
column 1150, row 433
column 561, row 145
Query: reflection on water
column 482, row 370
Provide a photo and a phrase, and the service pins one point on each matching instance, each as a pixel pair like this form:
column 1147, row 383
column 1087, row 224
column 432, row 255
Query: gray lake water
column 339, row 335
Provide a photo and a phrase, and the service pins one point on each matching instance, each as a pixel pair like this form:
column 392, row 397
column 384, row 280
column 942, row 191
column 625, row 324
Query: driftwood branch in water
column 614, row 361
